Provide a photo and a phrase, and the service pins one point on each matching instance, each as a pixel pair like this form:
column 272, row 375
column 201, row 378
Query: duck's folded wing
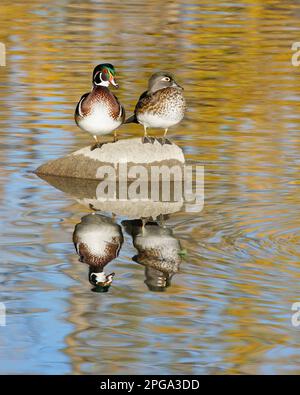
column 144, row 98
column 121, row 115
column 80, row 108
column 131, row 119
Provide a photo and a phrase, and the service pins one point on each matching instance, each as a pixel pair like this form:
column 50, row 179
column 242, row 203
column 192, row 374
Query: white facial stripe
column 101, row 83
column 110, row 277
column 104, row 83
column 99, row 78
column 100, row 277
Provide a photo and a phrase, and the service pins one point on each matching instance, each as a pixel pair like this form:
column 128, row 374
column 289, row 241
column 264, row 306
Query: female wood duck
column 98, row 240
column 161, row 106
column 158, row 250
column 99, row 112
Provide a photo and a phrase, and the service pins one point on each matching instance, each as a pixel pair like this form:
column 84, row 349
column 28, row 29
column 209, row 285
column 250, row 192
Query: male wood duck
column 98, row 240
column 99, row 112
column 161, row 106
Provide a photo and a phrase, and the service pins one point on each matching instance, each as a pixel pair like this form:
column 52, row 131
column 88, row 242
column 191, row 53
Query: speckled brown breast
column 102, row 95
column 161, row 101
column 152, row 258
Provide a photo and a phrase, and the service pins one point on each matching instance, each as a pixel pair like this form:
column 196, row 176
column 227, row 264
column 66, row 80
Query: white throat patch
column 102, row 83
column 100, row 277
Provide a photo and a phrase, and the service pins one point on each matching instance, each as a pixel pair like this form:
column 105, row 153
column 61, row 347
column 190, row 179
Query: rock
column 87, row 164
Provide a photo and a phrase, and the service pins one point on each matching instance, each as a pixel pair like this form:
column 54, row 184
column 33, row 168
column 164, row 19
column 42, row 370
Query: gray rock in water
column 87, row 164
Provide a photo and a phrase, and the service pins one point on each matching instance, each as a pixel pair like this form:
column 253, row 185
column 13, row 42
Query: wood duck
column 158, row 250
column 161, row 106
column 98, row 240
column 99, row 112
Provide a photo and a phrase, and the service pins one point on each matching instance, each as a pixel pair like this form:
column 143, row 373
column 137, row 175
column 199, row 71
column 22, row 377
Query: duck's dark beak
column 178, row 86
column 175, row 85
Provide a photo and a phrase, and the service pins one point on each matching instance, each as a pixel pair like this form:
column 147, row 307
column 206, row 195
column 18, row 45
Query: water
column 228, row 310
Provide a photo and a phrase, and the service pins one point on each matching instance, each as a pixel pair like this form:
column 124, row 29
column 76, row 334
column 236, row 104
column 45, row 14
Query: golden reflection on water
column 229, row 309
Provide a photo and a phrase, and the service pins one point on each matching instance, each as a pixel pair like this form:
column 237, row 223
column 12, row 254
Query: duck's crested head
column 104, row 74
column 160, row 80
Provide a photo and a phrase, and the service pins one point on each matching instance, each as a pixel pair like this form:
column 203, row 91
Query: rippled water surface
column 228, row 310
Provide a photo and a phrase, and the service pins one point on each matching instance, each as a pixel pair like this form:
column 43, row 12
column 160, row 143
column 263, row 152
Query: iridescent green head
column 104, row 74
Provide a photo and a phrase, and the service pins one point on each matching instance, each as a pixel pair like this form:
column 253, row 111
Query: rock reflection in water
column 88, row 194
column 97, row 240
column 158, row 250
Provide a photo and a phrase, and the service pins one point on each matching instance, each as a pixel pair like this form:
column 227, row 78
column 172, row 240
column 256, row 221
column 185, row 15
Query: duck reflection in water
column 158, row 250
column 98, row 240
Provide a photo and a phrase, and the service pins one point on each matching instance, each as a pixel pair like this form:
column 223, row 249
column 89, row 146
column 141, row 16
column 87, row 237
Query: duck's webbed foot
column 147, row 139
column 97, row 145
column 164, row 140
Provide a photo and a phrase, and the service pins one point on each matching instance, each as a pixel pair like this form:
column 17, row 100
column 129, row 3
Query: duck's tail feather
column 131, row 119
